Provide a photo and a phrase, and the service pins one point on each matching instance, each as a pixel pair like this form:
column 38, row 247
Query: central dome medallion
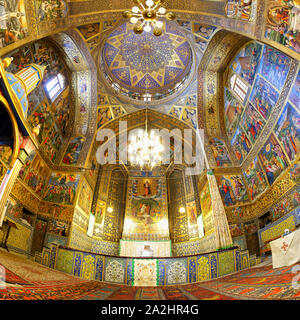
column 145, row 67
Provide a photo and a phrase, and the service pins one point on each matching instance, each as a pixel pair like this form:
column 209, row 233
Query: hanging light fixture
column 145, row 149
column 144, row 16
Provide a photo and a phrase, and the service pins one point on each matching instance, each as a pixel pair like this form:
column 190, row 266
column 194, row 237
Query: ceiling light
column 145, row 15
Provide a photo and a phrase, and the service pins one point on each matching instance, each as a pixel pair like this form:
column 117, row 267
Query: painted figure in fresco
column 245, row 142
column 51, row 9
column 11, row 28
column 147, row 188
column 287, row 130
column 239, row 9
column 283, row 23
column 226, row 191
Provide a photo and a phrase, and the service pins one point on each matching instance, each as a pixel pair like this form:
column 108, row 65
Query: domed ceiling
column 143, row 65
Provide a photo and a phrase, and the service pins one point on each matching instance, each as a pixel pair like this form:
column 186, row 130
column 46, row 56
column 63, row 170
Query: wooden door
column 38, row 235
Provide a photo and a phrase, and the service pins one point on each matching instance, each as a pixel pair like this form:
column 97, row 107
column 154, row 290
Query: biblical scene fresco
column 274, row 67
column 236, row 230
column 263, row 96
column 253, row 122
column 13, row 24
column 220, row 152
column 287, row 130
column 283, row 23
column 100, row 210
column 85, row 197
column 73, row 150
column 60, row 228
column 233, row 111
column 146, row 208
column 35, row 173
column 255, row 179
column 49, row 120
column 61, row 188
column 206, row 208
column 295, row 92
column 203, row 30
column 104, row 115
column 192, row 213
column 241, row 144
column 247, row 61
column 272, row 159
column 50, row 9
column 5, row 154
column 232, row 189
column 241, row 9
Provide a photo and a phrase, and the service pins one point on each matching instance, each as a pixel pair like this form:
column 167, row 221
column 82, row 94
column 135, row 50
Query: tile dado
column 158, row 271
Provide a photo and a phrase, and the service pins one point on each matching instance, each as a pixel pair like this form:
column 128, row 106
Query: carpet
column 26, row 280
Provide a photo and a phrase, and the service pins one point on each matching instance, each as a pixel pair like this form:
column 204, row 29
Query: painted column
column 223, row 236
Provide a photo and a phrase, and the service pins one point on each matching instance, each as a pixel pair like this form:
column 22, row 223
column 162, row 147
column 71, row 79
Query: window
column 55, row 86
column 238, row 86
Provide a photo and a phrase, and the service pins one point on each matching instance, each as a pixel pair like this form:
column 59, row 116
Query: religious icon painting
column 13, row 22
column 274, row 66
column 220, row 152
column 263, row 96
column 233, row 112
column 282, row 23
column 295, row 92
column 241, row 9
column 287, row 130
column 247, row 61
column 255, row 179
column 252, row 122
column 232, row 189
column 272, row 159
column 89, row 30
column 73, row 150
column 241, row 144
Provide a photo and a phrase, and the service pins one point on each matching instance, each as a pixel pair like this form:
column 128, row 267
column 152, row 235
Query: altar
column 130, row 248
column 286, row 250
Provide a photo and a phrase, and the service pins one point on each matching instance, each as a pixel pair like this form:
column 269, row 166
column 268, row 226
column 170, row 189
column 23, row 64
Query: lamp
column 145, row 149
column 144, row 16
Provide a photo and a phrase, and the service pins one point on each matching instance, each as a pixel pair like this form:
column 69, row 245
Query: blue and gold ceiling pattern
column 145, row 63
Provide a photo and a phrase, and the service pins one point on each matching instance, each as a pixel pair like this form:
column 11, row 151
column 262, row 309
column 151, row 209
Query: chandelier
column 145, row 148
column 144, row 16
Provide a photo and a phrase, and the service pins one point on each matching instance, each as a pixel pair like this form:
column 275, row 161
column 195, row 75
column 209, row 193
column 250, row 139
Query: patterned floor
column 25, row 280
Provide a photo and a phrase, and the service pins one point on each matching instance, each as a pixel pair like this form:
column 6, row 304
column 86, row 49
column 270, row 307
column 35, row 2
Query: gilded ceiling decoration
column 144, row 64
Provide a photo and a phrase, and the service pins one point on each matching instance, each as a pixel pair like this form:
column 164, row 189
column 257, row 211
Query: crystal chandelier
column 145, row 148
column 144, row 16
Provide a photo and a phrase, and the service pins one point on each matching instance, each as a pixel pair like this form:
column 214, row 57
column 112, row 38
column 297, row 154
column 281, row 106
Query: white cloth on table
column 286, row 250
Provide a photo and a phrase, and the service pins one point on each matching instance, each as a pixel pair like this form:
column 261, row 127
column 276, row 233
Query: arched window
column 55, row 86
column 238, row 86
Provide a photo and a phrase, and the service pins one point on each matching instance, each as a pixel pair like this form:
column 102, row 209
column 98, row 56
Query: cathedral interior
column 149, row 149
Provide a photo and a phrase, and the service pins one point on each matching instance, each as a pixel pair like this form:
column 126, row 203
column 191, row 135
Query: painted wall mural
column 287, row 130
column 247, row 60
column 241, row 9
column 272, row 159
column 73, row 150
column 49, row 118
column 48, row 9
column 255, row 179
column 256, row 78
column 61, row 188
column 282, row 23
column 146, row 210
column 232, row 189
column 13, row 23
column 85, row 197
column 220, row 152
column 206, row 208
